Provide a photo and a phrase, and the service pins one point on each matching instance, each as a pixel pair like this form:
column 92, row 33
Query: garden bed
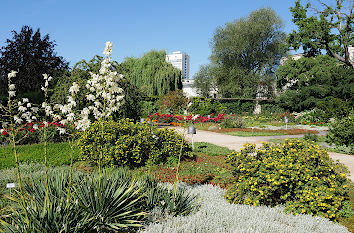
column 276, row 132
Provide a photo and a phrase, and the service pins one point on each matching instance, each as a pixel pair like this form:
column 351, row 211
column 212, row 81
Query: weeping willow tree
column 152, row 73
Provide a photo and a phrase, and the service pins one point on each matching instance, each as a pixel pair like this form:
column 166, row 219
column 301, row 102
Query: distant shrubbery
column 206, row 107
column 296, row 174
column 128, row 144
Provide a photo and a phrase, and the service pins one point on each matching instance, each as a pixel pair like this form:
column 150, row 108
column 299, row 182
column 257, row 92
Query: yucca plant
column 116, row 208
column 58, row 216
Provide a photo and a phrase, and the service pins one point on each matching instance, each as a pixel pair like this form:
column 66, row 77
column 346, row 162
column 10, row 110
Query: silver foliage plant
column 216, row 215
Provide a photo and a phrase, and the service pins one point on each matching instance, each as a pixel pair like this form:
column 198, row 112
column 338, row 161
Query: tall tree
column 204, row 81
column 306, row 81
column 152, row 73
column 246, row 49
column 329, row 28
column 31, row 55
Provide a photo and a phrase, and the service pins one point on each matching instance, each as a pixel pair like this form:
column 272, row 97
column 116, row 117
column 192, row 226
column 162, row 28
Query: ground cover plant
column 207, row 167
column 296, row 174
column 217, row 215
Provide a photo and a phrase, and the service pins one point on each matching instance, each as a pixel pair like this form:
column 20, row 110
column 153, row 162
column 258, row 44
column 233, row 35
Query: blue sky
column 81, row 27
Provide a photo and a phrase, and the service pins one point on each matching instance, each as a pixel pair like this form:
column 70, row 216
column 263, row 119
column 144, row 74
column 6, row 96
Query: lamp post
column 192, row 130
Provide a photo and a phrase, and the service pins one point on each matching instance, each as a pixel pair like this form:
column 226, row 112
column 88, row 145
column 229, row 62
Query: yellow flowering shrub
column 124, row 143
column 296, row 174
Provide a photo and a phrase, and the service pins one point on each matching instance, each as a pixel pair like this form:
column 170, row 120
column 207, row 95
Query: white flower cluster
column 104, row 92
column 25, row 112
column 104, row 97
column 22, row 111
column 12, row 92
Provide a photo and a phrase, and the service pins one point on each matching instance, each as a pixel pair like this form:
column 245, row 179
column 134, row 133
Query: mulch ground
column 284, row 131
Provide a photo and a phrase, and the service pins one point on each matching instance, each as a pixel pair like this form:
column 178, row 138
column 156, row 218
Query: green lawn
column 58, row 154
column 210, row 149
column 250, row 134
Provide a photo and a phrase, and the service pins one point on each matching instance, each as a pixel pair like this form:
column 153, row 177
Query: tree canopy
column 204, row 81
column 328, row 29
column 31, row 55
column 308, row 80
column 246, row 50
column 152, row 73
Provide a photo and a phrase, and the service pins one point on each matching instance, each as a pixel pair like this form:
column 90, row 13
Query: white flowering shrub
column 216, row 215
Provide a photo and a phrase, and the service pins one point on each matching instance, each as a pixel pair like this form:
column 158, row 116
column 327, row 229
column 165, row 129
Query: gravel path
column 236, row 143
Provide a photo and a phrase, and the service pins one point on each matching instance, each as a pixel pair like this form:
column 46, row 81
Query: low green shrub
column 313, row 116
column 233, row 122
column 134, row 145
column 341, row 132
column 295, row 174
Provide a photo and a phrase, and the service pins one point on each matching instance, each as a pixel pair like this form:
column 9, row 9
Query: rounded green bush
column 296, row 174
column 124, row 143
column 341, row 132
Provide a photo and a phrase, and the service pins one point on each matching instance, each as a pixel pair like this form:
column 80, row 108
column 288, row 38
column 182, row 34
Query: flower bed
column 178, row 119
column 280, row 131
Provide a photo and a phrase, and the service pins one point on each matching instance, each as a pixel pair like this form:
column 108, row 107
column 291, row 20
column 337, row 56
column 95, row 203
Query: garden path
column 236, row 143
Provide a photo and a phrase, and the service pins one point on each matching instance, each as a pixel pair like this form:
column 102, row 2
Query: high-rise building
column 181, row 61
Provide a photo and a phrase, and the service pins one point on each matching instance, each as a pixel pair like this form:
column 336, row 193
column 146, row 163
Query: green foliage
column 124, row 143
column 204, row 107
column 315, row 116
column 174, row 102
column 296, row 174
column 310, row 80
column 239, row 107
column 334, row 107
column 118, row 202
column 330, row 31
column 58, row 154
column 32, row 55
column 204, row 81
column 233, row 122
column 244, row 59
column 341, row 132
column 152, row 73
column 149, row 107
column 271, row 108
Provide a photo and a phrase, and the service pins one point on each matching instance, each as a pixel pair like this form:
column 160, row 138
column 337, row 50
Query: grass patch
column 251, row 134
column 210, row 149
column 58, row 154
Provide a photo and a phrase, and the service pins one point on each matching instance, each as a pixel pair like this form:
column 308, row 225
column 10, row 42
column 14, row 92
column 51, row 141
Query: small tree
column 31, row 55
